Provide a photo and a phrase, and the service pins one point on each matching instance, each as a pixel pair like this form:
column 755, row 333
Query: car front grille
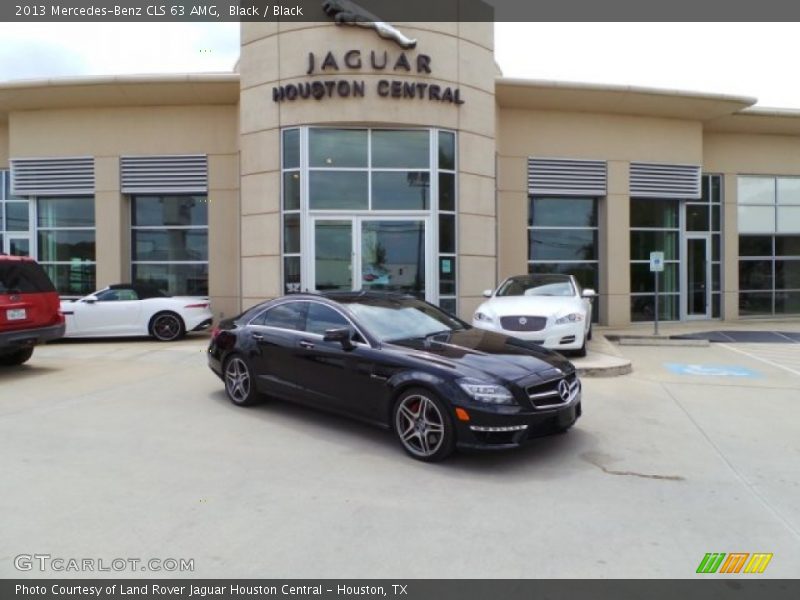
column 545, row 395
column 523, row 323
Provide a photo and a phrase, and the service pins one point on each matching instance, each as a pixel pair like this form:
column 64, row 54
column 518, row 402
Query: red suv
column 29, row 309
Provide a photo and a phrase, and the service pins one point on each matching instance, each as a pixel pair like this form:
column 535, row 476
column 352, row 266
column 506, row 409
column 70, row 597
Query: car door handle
column 306, row 345
column 258, row 337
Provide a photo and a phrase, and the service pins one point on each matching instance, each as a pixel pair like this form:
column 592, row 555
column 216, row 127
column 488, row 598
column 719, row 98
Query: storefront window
column 15, row 220
column 563, row 238
column 769, row 245
column 291, row 192
column 65, row 229
column 446, row 163
column 655, row 227
column 169, row 243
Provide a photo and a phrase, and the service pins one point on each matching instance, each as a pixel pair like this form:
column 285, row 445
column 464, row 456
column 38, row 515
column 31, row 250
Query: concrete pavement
column 132, row 450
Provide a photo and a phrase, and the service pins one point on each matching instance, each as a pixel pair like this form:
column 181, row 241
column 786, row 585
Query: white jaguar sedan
column 135, row 310
column 549, row 309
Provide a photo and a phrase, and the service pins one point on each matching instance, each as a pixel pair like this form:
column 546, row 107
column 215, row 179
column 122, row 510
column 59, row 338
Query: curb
column 658, row 341
column 613, row 371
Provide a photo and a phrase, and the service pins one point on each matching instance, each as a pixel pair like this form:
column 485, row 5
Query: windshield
column 392, row 320
column 537, row 285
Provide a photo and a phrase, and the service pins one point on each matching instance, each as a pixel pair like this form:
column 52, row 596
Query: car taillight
column 200, row 305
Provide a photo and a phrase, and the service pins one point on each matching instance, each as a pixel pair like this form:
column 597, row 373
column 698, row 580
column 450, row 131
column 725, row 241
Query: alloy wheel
column 420, row 425
column 167, row 328
column 237, row 380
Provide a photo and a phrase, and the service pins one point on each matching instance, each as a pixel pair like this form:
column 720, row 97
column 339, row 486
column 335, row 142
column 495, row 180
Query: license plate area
column 16, row 314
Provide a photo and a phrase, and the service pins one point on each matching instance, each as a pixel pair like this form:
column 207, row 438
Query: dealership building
column 334, row 158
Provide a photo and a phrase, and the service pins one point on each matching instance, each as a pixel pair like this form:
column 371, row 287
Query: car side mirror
column 589, row 293
column 90, row 299
column 487, row 293
column 343, row 336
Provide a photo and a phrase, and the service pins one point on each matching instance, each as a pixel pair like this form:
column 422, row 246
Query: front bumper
column 569, row 336
column 491, row 430
column 26, row 338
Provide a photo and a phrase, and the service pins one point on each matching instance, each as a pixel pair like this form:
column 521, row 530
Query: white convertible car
column 135, row 310
column 548, row 309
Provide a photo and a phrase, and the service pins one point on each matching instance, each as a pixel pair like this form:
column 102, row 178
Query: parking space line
column 786, row 336
column 762, row 359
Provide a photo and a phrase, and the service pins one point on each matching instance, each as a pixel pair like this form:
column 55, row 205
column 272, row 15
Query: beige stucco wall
column 617, row 139
column 3, row 145
column 108, row 133
column 733, row 154
column 277, row 54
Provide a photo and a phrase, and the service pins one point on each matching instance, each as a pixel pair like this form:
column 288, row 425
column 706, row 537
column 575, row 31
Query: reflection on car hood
column 495, row 354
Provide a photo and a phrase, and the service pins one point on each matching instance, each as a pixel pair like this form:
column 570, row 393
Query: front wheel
column 581, row 352
column 16, row 358
column 239, row 383
column 167, row 327
column 424, row 426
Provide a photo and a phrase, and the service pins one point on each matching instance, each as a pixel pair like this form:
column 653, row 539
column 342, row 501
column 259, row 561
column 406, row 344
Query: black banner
column 738, row 588
column 396, row 10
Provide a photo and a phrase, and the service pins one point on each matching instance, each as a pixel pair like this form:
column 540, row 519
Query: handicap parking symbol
column 711, row 370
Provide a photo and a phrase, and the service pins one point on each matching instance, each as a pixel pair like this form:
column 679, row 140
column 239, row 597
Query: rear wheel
column 239, row 383
column 424, row 426
column 16, row 358
column 167, row 327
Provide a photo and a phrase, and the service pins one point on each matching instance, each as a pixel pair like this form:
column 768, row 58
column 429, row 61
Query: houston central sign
column 355, row 60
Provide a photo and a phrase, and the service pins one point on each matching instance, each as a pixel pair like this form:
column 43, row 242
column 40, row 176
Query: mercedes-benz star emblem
column 563, row 390
column 523, row 320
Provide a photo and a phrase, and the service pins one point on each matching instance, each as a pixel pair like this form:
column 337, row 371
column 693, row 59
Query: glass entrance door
column 333, row 255
column 393, row 256
column 698, row 277
column 371, row 253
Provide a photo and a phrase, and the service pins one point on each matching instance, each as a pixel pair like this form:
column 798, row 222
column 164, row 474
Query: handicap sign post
column 656, row 266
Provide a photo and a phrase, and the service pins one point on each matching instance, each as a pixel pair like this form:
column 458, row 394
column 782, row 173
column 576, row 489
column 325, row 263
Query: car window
column 115, row 295
column 24, row 278
column 320, row 318
column 290, row 315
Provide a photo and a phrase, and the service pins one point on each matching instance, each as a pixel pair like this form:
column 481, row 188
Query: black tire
column 167, row 326
column 423, row 425
column 581, row 352
column 239, row 382
column 589, row 334
column 16, row 358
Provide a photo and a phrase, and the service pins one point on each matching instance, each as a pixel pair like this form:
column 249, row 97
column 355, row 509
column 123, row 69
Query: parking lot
column 131, row 449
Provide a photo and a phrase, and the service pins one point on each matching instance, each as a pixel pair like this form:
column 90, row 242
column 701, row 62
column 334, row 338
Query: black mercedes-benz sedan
column 400, row 363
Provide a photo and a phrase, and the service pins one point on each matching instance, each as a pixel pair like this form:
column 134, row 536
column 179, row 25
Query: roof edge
column 144, row 78
column 633, row 89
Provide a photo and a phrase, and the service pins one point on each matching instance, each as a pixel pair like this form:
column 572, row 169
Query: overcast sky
column 751, row 59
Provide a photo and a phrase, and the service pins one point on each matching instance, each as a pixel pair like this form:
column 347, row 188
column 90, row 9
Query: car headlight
column 570, row 318
column 482, row 316
column 486, row 392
